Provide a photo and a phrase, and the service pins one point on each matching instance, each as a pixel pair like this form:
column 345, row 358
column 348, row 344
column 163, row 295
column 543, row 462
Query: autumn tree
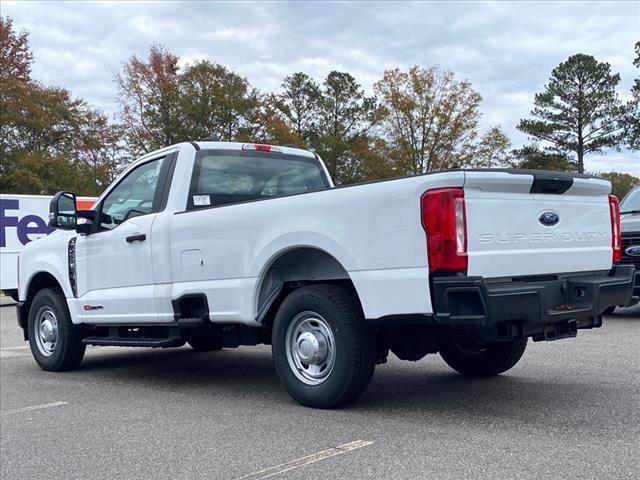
column 337, row 120
column 299, row 104
column 430, row 117
column 369, row 158
column 346, row 116
column 161, row 105
column 579, row 110
column 15, row 56
column 216, row 102
column 49, row 140
column 99, row 153
column 621, row 183
column 532, row 157
column 491, row 151
column 30, row 122
column 632, row 123
column 149, row 100
column 270, row 126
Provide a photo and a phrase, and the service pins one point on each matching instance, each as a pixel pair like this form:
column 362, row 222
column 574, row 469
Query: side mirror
column 85, row 228
column 62, row 211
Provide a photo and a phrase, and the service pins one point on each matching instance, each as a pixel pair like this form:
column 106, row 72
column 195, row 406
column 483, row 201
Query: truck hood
column 630, row 222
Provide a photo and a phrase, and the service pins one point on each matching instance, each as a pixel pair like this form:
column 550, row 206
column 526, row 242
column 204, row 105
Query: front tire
column 323, row 352
column 482, row 359
column 56, row 343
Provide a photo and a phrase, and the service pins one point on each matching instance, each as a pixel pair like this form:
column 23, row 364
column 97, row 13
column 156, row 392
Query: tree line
column 417, row 120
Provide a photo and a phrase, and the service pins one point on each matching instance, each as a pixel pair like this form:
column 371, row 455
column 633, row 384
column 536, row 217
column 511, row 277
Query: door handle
column 141, row 237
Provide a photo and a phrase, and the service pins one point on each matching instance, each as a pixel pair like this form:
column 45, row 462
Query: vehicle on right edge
column 630, row 225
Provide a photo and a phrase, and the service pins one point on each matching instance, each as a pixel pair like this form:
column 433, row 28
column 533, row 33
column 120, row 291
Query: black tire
column 483, row 360
column 205, row 343
column 609, row 310
column 354, row 346
column 68, row 350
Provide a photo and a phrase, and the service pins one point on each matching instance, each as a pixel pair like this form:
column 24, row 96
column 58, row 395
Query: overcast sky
column 506, row 50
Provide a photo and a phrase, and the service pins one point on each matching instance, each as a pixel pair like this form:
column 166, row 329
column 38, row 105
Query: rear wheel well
column 296, row 268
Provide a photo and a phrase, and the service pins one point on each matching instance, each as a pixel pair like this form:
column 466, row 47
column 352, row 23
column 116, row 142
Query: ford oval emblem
column 633, row 251
column 548, row 218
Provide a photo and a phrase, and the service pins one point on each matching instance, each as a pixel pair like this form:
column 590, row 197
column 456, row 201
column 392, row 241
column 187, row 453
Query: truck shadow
column 631, row 313
column 421, row 392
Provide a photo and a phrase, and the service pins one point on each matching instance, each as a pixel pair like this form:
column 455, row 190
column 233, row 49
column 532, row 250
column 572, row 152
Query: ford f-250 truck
column 226, row 244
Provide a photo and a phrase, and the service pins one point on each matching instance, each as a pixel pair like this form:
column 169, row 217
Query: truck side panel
column 373, row 230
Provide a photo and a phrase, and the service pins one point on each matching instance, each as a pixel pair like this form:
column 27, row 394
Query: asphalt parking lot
column 569, row 409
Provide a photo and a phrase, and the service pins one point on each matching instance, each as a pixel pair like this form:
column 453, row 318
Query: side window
column 133, row 196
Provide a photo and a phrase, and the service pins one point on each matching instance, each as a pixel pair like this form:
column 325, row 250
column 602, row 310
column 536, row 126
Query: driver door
column 114, row 263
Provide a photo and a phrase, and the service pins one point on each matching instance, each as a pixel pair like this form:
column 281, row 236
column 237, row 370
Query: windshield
column 631, row 202
column 222, row 177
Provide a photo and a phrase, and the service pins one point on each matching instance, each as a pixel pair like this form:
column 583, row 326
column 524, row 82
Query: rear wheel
column 56, row 343
column 324, row 353
column 609, row 310
column 482, row 359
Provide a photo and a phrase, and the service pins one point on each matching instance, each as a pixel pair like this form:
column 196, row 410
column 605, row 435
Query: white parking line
column 33, row 407
column 301, row 462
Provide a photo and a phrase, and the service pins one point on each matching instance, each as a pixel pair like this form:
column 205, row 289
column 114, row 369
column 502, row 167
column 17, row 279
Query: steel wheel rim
column 45, row 331
column 310, row 347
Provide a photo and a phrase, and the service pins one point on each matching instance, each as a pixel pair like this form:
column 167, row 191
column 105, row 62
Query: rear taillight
column 616, row 234
column 444, row 221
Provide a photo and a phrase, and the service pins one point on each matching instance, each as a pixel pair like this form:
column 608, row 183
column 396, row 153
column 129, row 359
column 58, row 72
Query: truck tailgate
column 534, row 223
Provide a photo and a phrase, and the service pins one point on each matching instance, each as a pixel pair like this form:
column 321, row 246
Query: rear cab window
column 224, row 177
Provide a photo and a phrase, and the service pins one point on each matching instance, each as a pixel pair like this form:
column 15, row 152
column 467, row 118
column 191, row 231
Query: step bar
column 134, row 342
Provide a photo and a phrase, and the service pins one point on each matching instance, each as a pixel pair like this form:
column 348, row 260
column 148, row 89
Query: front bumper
column 545, row 309
column 631, row 239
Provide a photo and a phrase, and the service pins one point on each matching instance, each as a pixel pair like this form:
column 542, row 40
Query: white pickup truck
column 226, row 244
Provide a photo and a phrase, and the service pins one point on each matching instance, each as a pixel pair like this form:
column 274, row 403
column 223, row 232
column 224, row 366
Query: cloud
column 506, row 49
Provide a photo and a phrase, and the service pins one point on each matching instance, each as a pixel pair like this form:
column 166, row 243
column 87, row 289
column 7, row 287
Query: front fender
column 46, row 255
column 51, row 269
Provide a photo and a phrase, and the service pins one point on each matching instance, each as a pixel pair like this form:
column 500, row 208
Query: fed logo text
column 25, row 226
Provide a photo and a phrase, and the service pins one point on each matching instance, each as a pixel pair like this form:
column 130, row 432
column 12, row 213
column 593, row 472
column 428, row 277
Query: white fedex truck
column 23, row 218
